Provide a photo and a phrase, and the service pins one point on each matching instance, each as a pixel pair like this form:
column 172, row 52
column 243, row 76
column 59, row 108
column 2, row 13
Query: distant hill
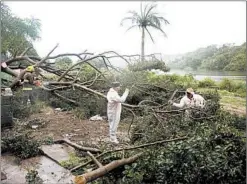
column 227, row 57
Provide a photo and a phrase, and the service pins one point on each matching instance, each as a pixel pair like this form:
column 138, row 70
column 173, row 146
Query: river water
column 215, row 75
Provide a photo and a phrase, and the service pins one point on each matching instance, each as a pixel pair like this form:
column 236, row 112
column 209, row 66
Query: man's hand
column 127, row 90
column 170, row 102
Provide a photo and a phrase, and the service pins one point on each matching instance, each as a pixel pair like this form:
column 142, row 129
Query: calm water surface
column 215, row 75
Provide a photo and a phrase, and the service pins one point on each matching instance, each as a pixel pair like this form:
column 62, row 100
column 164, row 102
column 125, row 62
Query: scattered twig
column 129, row 148
column 94, row 159
column 93, row 150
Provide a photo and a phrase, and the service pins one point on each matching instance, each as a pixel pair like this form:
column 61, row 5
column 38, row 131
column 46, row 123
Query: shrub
column 148, row 65
column 21, row 145
column 207, row 82
column 227, row 84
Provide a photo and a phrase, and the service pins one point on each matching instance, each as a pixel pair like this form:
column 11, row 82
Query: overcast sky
column 95, row 26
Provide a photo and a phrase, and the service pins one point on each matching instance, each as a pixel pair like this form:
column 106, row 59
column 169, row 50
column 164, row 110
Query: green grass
column 230, row 100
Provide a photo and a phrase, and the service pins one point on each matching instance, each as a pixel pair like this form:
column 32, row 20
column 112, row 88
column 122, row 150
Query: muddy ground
column 58, row 125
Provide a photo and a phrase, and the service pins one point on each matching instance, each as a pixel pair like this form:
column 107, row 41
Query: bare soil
column 59, row 125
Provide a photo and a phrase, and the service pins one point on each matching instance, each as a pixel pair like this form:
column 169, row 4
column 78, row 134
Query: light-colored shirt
column 114, row 100
column 196, row 101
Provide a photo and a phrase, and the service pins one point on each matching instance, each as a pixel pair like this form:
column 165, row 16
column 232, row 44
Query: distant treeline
column 225, row 58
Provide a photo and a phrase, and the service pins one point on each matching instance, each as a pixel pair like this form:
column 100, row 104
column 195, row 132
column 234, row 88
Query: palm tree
column 147, row 18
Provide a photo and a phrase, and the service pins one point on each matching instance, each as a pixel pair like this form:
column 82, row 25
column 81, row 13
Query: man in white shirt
column 190, row 100
column 114, row 109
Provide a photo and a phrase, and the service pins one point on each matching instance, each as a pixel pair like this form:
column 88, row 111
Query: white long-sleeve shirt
column 114, row 101
column 196, row 101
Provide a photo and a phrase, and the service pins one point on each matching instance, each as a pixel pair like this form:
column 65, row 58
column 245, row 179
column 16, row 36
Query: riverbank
column 202, row 74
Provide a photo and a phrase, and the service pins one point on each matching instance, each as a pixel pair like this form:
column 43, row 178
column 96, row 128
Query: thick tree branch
column 93, row 175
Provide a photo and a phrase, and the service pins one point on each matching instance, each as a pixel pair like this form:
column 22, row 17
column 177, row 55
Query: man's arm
column 117, row 98
column 179, row 105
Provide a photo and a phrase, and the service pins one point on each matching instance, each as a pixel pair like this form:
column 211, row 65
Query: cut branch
column 93, row 150
column 94, row 159
column 93, row 175
column 129, row 148
column 25, row 51
column 66, row 99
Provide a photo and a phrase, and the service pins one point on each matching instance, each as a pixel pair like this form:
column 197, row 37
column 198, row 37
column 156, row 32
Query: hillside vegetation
column 225, row 58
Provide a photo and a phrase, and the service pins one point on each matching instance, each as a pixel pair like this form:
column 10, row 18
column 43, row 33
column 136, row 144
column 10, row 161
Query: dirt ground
column 59, row 125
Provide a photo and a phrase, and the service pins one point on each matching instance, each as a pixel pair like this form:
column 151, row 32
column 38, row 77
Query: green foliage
column 21, row 145
column 233, row 86
column 63, row 63
column 207, row 82
column 17, row 34
column 23, row 111
column 227, row 58
column 48, row 141
column 185, row 81
column 32, row 177
column 214, row 153
column 227, row 84
column 72, row 162
column 148, row 65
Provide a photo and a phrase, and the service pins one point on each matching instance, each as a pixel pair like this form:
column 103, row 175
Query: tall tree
column 147, row 18
column 17, row 34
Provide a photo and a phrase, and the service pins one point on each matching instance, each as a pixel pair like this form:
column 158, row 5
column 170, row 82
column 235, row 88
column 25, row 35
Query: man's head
column 30, row 69
column 190, row 93
column 116, row 86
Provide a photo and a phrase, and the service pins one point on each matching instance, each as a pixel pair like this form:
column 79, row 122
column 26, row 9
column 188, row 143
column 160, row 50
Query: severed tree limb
column 22, row 73
column 94, row 159
column 9, row 71
column 145, row 145
column 100, row 94
column 86, row 61
column 66, row 99
column 25, row 51
column 45, row 58
column 130, row 148
column 132, row 121
column 20, row 58
column 80, row 68
column 174, row 93
column 93, row 150
column 78, row 63
column 57, row 88
column 93, row 175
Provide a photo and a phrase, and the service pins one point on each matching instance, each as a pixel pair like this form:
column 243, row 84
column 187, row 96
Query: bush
column 207, row 82
column 33, row 177
column 227, row 84
column 24, row 111
column 148, row 65
column 21, row 145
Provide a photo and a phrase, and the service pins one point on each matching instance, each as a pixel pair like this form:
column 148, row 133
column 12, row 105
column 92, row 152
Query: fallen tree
column 213, row 136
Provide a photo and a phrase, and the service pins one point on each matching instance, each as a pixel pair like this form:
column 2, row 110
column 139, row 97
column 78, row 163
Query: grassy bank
column 232, row 93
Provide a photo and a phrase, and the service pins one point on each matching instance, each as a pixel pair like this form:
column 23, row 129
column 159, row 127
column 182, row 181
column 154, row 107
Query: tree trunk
column 142, row 46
